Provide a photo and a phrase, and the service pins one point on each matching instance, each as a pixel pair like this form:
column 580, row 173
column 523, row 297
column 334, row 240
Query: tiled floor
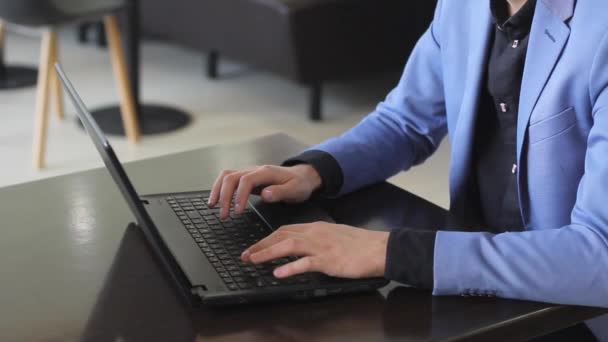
column 243, row 104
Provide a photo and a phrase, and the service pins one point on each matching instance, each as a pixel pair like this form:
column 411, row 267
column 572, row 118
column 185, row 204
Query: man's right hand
column 281, row 184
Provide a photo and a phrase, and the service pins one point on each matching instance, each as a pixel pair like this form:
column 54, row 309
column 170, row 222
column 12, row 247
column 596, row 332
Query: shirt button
column 504, row 107
column 514, row 169
column 515, row 44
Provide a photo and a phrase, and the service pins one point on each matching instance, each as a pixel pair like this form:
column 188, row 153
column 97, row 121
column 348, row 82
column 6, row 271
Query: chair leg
column 2, row 35
column 102, row 42
column 2, row 41
column 83, row 30
column 316, row 93
column 127, row 102
column 57, row 91
column 212, row 64
column 3, row 71
column 49, row 40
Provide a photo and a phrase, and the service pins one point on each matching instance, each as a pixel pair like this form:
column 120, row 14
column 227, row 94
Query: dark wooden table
column 72, row 267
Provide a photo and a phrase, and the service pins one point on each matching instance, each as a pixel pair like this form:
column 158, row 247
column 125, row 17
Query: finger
column 229, row 184
column 217, row 185
column 274, row 238
column 296, row 228
column 292, row 246
column 263, row 175
column 302, row 265
column 281, row 192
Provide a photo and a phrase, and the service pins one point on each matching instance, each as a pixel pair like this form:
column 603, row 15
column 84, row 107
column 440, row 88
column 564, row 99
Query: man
column 522, row 89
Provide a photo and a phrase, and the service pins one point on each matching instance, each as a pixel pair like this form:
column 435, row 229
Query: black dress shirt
column 410, row 253
column 496, row 131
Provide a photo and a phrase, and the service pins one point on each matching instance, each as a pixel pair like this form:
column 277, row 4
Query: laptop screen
column 105, row 150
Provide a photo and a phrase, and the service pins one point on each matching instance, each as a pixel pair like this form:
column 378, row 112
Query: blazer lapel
column 462, row 147
column 548, row 37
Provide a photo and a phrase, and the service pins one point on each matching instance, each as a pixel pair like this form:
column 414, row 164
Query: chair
column 49, row 14
column 14, row 76
column 309, row 41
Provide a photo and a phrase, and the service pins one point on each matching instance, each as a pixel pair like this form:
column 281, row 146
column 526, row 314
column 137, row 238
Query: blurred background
column 199, row 73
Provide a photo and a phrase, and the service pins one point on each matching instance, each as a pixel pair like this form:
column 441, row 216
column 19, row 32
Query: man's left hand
column 336, row 250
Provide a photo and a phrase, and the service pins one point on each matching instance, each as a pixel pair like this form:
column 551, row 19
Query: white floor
column 243, row 104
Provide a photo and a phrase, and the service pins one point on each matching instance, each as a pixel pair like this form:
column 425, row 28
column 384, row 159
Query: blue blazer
column 562, row 149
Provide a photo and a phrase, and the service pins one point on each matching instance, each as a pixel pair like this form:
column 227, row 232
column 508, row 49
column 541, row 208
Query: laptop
column 201, row 253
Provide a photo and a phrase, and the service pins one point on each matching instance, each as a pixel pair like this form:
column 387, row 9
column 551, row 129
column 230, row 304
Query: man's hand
column 283, row 184
column 336, row 250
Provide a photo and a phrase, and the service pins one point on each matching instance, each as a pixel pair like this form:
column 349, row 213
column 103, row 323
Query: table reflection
column 138, row 302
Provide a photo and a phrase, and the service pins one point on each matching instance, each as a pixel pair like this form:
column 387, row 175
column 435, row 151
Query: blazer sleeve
column 568, row 265
column 405, row 129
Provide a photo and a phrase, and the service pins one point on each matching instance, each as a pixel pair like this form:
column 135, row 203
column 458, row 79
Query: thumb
column 277, row 193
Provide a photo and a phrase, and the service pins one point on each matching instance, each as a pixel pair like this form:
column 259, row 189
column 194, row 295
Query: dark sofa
column 309, row 41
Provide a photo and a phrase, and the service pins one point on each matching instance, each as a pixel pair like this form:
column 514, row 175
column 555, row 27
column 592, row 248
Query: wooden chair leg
column 2, row 34
column 127, row 102
column 49, row 41
column 56, row 84
column 2, row 41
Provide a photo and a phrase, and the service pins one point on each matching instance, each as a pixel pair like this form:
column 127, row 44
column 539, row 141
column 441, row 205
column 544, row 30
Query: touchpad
column 280, row 214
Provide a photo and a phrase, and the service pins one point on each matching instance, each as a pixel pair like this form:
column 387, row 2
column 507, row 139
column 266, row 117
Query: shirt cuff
column 326, row 165
column 409, row 257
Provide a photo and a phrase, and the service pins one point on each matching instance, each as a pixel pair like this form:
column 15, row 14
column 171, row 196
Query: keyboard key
column 193, row 214
column 259, row 282
column 232, row 287
column 249, row 269
column 266, row 271
column 245, row 286
column 301, row 279
column 240, row 279
column 272, row 282
column 228, row 262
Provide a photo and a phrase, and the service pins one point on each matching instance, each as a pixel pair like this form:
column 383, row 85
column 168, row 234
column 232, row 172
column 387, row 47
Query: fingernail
column 268, row 194
column 279, row 272
column 237, row 208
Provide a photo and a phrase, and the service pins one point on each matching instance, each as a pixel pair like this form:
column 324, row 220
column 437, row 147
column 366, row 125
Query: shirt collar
column 516, row 26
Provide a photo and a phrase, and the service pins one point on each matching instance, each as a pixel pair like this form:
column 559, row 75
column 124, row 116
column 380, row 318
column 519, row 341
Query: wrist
column 380, row 253
column 310, row 174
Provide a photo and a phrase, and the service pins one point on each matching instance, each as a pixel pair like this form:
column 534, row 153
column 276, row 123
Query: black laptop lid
column 105, row 150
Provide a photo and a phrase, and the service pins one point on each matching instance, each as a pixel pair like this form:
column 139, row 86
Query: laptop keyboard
column 222, row 242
